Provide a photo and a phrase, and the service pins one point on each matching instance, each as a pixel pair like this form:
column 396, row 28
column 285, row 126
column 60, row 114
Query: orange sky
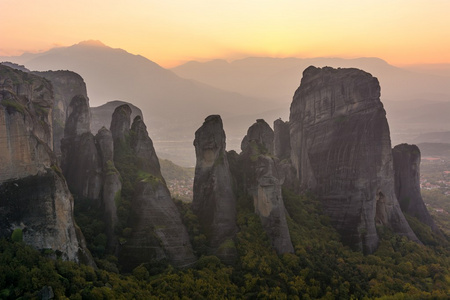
column 171, row 32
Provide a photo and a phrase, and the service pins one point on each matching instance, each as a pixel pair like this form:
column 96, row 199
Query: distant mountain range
column 175, row 102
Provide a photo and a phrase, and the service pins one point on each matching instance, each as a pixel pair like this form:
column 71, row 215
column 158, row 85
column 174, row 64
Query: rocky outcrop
column 66, row 85
column 214, row 201
column 156, row 228
column 407, row 183
column 281, row 139
column 88, row 165
column 263, row 182
column 80, row 160
column 261, row 134
column 34, row 197
column 120, row 123
column 341, row 150
column 111, row 184
column 101, row 115
column 142, row 147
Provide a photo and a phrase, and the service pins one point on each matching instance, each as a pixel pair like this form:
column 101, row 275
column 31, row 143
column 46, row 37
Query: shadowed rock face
column 214, row 201
column 142, row 146
column 282, row 140
column 80, row 160
column 111, row 183
column 263, row 182
column 120, row 122
column 407, row 183
column 33, row 194
column 341, row 150
column 157, row 230
column 87, row 163
column 261, row 133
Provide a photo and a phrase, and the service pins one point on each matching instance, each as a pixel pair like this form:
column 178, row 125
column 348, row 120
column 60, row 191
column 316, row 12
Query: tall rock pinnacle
column 407, row 183
column 263, row 182
column 214, row 201
column 157, row 230
column 341, row 149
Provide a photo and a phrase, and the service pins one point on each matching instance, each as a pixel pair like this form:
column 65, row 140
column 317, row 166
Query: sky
column 172, row 32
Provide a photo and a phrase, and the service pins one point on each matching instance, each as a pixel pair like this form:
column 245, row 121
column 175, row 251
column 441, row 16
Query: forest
column 321, row 267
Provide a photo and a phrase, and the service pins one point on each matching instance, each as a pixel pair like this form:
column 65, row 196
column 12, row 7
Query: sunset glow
column 172, row 32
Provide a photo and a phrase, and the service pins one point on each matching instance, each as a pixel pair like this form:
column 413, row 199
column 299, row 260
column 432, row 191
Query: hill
column 173, row 107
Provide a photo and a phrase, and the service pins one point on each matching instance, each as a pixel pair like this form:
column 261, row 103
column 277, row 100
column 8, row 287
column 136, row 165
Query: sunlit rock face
column 33, row 193
column 341, row 150
column 157, row 230
column 214, row 201
column 263, row 181
column 407, row 183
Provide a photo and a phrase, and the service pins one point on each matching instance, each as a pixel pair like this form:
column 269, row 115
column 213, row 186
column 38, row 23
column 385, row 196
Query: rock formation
column 214, row 201
column 156, row 228
column 88, row 165
column 101, row 115
column 34, row 197
column 80, row 160
column 281, row 140
column 66, row 85
column 263, row 182
column 261, row 134
column 407, row 183
column 111, row 184
column 341, row 150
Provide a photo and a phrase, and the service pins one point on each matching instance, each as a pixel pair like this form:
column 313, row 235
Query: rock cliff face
column 66, row 85
column 111, row 184
column 214, row 201
column 80, row 161
column 263, row 183
column 407, row 183
column 157, row 230
column 33, row 193
column 341, row 150
column 282, row 139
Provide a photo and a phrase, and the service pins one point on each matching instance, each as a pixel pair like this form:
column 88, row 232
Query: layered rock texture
column 341, row 150
column 156, row 228
column 214, row 201
column 34, row 197
column 263, row 182
column 407, row 183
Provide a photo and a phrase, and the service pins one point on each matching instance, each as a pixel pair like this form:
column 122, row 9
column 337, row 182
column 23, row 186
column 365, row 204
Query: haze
column 172, row 32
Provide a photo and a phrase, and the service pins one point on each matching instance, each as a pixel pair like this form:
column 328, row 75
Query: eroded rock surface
column 156, row 228
column 263, row 182
column 214, row 201
column 407, row 183
column 34, row 197
column 341, row 150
